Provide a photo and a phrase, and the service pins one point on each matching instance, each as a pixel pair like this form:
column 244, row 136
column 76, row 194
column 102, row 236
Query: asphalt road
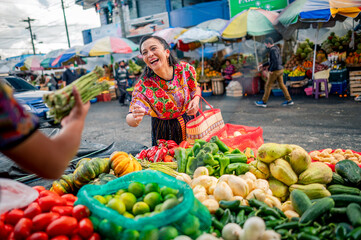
column 311, row 123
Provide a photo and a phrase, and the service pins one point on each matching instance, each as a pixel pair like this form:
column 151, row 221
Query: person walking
column 275, row 74
column 167, row 91
column 69, row 75
column 122, row 82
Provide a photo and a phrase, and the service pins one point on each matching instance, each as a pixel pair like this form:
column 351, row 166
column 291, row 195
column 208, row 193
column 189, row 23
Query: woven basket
column 322, row 74
column 205, row 124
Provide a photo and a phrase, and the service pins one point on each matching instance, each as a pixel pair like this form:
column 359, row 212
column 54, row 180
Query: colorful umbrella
column 47, row 63
column 196, row 34
column 66, row 55
column 31, row 63
column 253, row 22
column 169, row 34
column 108, row 45
column 215, row 24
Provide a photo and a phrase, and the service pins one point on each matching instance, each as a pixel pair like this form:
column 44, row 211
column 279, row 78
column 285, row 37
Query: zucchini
column 340, row 189
column 350, row 171
column 300, row 201
column 318, row 209
column 338, row 214
column 343, row 200
column 353, row 211
column 337, row 179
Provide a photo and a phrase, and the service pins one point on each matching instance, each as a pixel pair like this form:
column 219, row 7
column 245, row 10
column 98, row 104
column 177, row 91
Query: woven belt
column 183, row 126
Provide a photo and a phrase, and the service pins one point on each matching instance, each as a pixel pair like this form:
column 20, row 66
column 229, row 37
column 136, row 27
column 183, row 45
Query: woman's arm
column 134, row 118
column 49, row 157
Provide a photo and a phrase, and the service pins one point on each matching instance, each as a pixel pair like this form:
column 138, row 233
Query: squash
column 103, row 178
column 64, row 185
column 122, row 163
column 87, row 170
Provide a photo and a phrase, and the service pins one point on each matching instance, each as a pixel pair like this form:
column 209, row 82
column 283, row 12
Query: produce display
column 305, row 49
column 163, row 152
column 333, row 156
column 134, row 68
column 337, row 43
column 62, row 101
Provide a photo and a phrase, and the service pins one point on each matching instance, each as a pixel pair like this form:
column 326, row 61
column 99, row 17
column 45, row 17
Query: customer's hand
column 79, row 111
column 138, row 113
column 193, row 106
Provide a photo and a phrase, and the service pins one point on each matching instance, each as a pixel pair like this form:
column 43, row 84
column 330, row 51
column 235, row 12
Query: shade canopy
column 109, row 45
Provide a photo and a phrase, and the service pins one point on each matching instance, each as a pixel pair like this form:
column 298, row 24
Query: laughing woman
column 167, row 91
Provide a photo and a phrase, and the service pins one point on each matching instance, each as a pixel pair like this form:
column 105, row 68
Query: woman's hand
column 79, row 110
column 138, row 114
column 193, row 106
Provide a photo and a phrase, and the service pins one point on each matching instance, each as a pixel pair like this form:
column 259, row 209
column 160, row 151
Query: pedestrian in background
column 275, row 73
column 228, row 71
column 50, row 82
column 69, row 75
column 122, row 82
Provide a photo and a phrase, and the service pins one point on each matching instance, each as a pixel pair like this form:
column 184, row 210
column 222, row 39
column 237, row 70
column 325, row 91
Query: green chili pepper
column 226, row 218
column 341, row 232
column 284, row 233
column 191, row 165
column 355, row 234
column 246, row 208
column 236, row 150
column 288, row 225
column 268, row 211
column 282, row 214
column 233, row 205
column 211, row 148
column 253, row 213
column 200, row 141
column 256, row 203
column 218, row 233
column 269, row 218
column 242, row 168
column 223, row 162
column 208, row 160
column 217, row 224
column 310, row 230
column 219, row 213
column 231, row 168
column 237, row 158
column 227, row 153
column 273, row 223
column 305, row 236
column 221, row 145
column 181, row 157
column 210, row 170
column 195, row 149
column 241, row 216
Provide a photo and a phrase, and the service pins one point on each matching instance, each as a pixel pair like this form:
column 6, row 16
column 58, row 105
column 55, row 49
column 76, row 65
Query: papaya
column 299, row 160
column 317, row 172
column 313, row 191
column 269, row 152
column 282, row 171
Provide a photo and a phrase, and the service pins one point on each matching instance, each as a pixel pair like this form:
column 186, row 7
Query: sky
column 48, row 26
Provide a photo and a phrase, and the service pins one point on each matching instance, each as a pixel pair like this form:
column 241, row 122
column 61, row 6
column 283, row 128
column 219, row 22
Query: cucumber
column 338, row 214
column 340, row 189
column 353, row 211
column 343, row 200
column 337, row 179
column 318, row 209
column 350, row 171
column 300, row 201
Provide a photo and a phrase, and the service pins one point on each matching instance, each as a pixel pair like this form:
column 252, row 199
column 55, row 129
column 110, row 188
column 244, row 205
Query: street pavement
column 311, row 123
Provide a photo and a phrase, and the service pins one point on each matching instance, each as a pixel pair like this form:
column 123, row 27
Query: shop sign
column 237, row 6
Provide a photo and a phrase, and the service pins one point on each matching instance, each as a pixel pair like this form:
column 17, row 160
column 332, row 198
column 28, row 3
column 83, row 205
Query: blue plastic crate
column 277, row 92
column 338, row 87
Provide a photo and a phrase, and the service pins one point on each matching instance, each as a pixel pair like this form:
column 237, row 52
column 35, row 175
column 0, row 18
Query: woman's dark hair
column 148, row 72
column 227, row 60
column 269, row 40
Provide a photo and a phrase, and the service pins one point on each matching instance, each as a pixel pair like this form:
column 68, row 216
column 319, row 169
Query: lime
column 108, row 197
column 136, row 188
column 152, row 199
column 167, row 190
column 117, row 205
column 190, row 225
column 158, row 208
column 108, row 229
column 129, row 200
column 100, row 198
column 140, row 208
column 150, row 234
column 168, row 233
column 121, row 191
column 151, row 187
column 170, row 203
column 131, row 234
column 95, row 221
column 169, row 196
column 128, row 215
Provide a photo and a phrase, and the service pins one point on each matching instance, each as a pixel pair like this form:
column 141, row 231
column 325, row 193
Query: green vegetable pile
column 62, row 101
column 214, row 155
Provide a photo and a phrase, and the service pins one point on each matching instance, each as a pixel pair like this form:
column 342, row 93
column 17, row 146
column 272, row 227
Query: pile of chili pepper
column 324, row 228
column 163, row 152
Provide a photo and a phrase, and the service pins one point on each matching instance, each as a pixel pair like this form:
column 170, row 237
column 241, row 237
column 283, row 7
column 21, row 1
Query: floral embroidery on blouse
column 166, row 99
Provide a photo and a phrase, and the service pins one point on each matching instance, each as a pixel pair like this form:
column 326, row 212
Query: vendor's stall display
column 355, row 83
column 304, row 49
column 134, row 68
column 163, row 152
column 332, row 157
column 337, row 43
column 62, row 101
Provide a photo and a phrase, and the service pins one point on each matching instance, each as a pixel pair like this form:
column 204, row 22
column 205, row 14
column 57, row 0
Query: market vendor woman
column 167, row 91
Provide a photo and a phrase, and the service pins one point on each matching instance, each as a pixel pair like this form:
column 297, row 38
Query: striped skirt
column 172, row 129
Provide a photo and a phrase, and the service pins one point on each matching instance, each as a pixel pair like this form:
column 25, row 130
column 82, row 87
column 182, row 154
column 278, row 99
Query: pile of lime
column 140, row 200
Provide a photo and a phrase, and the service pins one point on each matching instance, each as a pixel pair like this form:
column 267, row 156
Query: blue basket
column 338, row 87
column 300, row 78
column 94, row 100
column 207, row 94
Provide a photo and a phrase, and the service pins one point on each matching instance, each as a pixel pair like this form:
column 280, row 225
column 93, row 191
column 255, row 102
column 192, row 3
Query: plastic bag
column 251, row 137
column 189, row 205
column 14, row 194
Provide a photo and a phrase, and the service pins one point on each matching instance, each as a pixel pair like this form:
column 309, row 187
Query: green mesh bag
column 173, row 216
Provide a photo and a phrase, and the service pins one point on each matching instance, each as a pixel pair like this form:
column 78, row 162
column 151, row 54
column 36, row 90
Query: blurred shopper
column 50, row 82
column 122, row 82
column 228, row 71
column 69, row 75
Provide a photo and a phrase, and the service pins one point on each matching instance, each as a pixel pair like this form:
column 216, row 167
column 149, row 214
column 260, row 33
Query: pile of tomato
column 50, row 216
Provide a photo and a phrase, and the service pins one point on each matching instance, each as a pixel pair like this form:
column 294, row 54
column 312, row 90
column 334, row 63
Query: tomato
column 63, row 210
column 3, row 216
column 41, row 221
column 61, row 237
column 23, row 228
column 69, row 197
column 85, row 228
column 11, row 236
column 14, row 216
column 38, row 236
column 46, row 203
column 95, row 236
column 32, row 210
column 39, row 188
column 6, row 230
column 64, row 225
column 75, row 237
column 80, row 212
column 46, row 193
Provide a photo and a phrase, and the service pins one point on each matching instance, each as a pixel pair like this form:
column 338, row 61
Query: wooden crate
column 355, row 83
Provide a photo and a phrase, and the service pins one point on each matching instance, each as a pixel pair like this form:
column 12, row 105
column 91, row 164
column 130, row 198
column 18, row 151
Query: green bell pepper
column 211, row 148
column 200, row 141
column 181, row 157
column 237, row 158
column 200, row 158
column 236, row 150
column 191, row 165
column 237, row 168
column 221, row 145
column 195, row 149
column 223, row 162
column 211, row 170
column 208, row 160
column 189, row 152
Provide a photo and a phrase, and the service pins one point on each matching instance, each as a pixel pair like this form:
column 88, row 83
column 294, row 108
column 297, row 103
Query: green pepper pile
column 215, row 155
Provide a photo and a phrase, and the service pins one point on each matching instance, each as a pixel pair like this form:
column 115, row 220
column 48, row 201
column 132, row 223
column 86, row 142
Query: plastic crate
column 104, row 97
column 338, row 87
column 277, row 92
column 338, row 75
column 300, row 78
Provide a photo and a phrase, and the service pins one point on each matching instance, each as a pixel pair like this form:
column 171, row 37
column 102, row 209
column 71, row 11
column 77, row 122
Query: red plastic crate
column 104, row 97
